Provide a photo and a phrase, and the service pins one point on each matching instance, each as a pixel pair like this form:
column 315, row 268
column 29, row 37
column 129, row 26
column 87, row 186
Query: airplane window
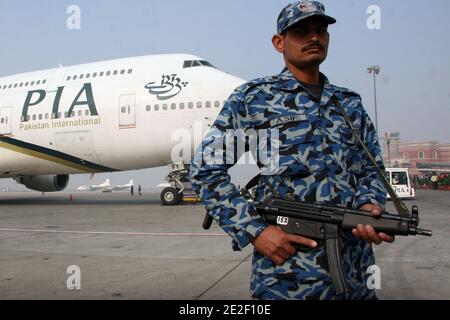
column 86, row 112
column 199, row 105
column 59, row 114
column 15, row 85
column 208, row 104
column 156, row 107
column 108, row 73
column 9, row 87
column 101, row 74
column 130, row 71
column 94, row 75
column 206, row 64
column 148, row 108
column 164, row 106
column 68, row 78
column 173, row 106
column 80, row 113
column 182, row 106
column 123, row 110
column 66, row 114
column 32, row 83
column 2, row 121
column 115, row 72
column 197, row 63
column 217, row 104
column 73, row 114
column 75, row 77
column 81, row 76
column 46, row 116
column 88, row 76
column 122, row 71
column 21, row 85
column 44, row 81
column 40, row 116
column 34, row 117
column 39, row 82
column 190, row 105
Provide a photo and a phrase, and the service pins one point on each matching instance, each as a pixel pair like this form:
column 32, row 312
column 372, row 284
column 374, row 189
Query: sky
column 411, row 47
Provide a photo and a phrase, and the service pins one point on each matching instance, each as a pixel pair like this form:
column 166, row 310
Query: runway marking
column 120, row 233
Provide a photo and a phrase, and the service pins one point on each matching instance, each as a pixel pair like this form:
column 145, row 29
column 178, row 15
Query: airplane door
column 5, row 120
column 127, row 111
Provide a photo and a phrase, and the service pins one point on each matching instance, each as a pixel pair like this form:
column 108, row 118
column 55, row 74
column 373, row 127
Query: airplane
column 109, row 116
column 105, row 187
column 101, row 186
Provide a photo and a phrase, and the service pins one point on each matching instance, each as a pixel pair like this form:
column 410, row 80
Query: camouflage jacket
column 319, row 161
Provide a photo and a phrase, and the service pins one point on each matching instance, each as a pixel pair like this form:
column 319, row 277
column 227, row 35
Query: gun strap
column 402, row 209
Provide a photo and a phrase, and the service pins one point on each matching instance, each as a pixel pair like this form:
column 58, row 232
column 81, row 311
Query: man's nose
column 314, row 35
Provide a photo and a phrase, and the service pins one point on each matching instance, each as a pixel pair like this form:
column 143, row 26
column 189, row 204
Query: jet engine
column 44, row 183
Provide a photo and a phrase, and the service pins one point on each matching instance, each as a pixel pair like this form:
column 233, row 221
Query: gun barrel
column 426, row 233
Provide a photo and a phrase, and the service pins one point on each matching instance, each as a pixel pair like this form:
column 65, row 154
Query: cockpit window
column 197, row 63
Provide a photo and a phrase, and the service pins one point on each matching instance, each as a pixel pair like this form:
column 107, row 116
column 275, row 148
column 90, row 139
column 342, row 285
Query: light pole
column 387, row 139
column 375, row 70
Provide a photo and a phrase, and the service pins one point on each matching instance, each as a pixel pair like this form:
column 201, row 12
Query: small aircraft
column 106, row 187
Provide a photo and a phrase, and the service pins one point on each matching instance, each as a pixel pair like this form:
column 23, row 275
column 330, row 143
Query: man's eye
column 301, row 31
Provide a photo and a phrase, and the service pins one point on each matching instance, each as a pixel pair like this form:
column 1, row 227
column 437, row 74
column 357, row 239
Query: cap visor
column 328, row 19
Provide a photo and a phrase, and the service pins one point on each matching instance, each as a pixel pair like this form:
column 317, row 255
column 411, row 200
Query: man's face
column 305, row 44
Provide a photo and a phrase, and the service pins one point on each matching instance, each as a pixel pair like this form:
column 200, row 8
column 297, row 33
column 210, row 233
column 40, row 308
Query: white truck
column 400, row 182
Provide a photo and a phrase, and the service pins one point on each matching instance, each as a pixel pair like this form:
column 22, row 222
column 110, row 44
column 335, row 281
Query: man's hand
column 276, row 244
column 367, row 233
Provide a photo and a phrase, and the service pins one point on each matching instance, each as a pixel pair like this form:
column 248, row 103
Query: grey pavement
column 133, row 248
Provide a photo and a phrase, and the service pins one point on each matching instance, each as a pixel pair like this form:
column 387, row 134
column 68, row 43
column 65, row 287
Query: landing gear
column 171, row 197
column 178, row 188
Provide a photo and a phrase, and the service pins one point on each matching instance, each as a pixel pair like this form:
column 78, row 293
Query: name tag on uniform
column 288, row 119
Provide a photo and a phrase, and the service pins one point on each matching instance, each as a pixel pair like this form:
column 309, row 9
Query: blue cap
column 295, row 12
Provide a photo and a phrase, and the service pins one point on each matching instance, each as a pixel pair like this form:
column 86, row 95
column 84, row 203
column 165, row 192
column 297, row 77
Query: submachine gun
column 326, row 223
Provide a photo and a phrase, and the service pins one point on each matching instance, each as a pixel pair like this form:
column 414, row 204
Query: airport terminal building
column 419, row 157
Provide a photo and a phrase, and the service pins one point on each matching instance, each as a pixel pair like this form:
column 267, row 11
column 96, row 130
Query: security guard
column 319, row 162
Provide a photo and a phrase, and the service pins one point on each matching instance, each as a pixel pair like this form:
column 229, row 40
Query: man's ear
column 278, row 43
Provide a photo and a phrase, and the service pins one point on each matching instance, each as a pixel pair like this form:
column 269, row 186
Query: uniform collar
column 288, row 82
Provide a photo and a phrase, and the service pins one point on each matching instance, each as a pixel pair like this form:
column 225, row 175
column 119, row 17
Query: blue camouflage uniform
column 320, row 162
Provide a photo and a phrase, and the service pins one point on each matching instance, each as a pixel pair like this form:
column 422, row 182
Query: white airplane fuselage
column 121, row 114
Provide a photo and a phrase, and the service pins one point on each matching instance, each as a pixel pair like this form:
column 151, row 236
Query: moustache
column 314, row 45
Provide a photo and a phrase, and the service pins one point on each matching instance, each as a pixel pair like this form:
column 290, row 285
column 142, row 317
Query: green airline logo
column 85, row 97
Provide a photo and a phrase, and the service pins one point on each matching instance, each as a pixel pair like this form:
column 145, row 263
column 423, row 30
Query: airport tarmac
column 133, row 248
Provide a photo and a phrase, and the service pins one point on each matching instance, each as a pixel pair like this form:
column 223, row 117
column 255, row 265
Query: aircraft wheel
column 170, row 197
